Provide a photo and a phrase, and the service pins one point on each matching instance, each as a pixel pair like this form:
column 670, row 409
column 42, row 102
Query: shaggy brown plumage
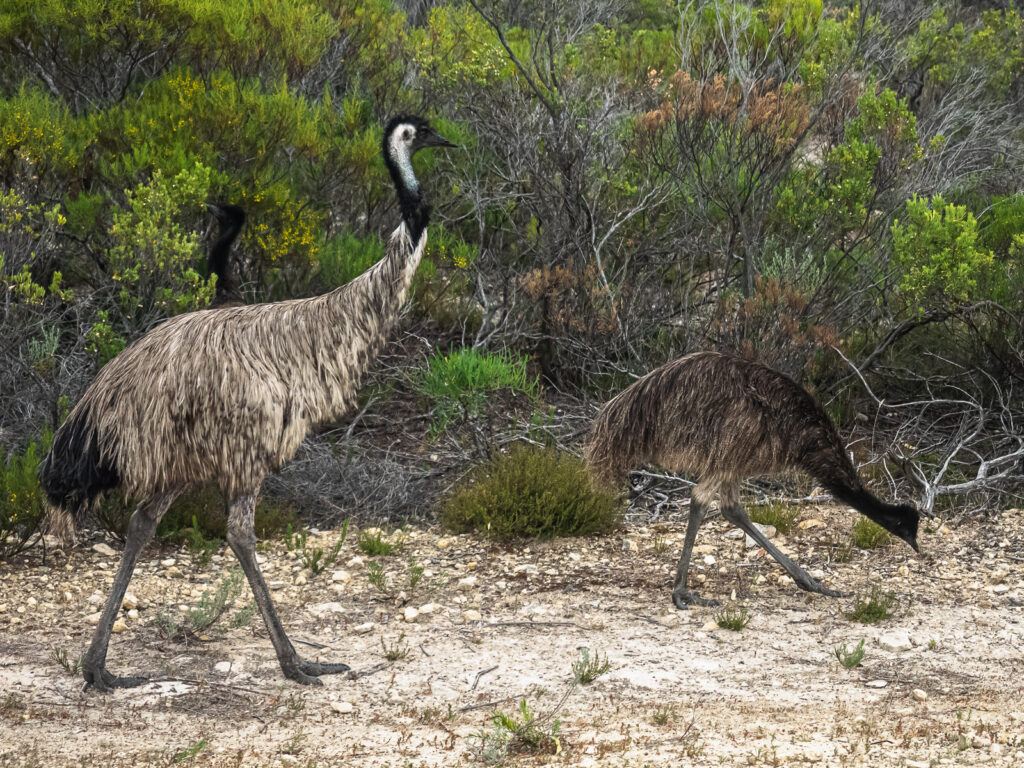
column 226, row 396
column 721, row 419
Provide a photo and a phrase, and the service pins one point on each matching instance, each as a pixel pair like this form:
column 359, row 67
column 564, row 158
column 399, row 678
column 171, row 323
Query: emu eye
column 408, row 134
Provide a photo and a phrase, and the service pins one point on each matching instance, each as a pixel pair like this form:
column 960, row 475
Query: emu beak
column 912, row 541
column 435, row 139
column 215, row 210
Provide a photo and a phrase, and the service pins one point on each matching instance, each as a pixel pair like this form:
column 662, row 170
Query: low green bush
column 531, row 492
column 867, row 534
column 21, row 498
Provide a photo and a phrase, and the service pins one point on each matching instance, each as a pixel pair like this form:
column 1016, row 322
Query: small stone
column 325, row 609
column 996, row 749
column 525, row 568
column 816, row 573
column 68, row 597
column 428, row 608
column 895, row 642
column 342, row 707
column 223, row 667
column 980, row 742
column 806, row 524
column 876, row 683
column 93, row 618
column 104, row 549
column 918, row 764
column 704, row 549
column 119, row 625
column 466, row 584
column 168, row 562
column 443, row 543
column 709, row 626
column 300, row 580
column 410, row 614
column 709, row 560
column 355, row 562
column 342, row 576
column 918, row 694
column 471, row 615
column 32, row 602
column 362, row 629
column 768, row 531
column 130, row 601
column 133, row 614
column 760, row 579
column 1000, row 589
column 734, row 533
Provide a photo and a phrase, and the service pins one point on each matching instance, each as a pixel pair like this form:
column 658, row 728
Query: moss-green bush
column 530, row 492
column 867, row 534
column 21, row 498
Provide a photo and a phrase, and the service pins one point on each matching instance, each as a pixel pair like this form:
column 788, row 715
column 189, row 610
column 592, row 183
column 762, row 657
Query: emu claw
column 684, row 600
column 100, row 679
column 308, row 672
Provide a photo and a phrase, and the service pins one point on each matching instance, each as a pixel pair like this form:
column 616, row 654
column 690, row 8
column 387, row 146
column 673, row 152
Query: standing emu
column 721, row 419
column 227, row 396
column 231, row 219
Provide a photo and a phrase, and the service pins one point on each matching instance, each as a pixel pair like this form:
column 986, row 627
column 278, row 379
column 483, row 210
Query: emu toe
column 100, row 679
column 684, row 600
column 308, row 672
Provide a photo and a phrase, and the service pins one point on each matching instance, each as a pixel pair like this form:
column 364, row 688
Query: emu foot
column 308, row 672
column 810, row 585
column 101, row 680
column 684, row 600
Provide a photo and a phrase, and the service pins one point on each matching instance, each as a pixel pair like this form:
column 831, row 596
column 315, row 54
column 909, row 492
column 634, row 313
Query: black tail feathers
column 899, row 519
column 74, row 473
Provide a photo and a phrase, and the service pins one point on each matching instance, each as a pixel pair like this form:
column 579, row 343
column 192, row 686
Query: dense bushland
column 825, row 187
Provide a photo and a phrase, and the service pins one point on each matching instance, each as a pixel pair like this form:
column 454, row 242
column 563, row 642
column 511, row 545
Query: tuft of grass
column 530, row 492
column 850, row 659
column 872, row 608
column 867, row 534
column 522, row 734
column 586, row 670
column 244, row 615
column 22, row 502
column 734, row 619
column 190, row 751
column 664, row 715
column 842, row 552
column 211, row 606
column 776, row 513
column 61, row 657
column 459, row 381
column 415, row 574
column 397, row 651
column 375, row 545
column 380, row 582
column 314, row 558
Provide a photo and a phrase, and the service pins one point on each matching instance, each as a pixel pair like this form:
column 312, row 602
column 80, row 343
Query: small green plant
column 211, row 606
column 71, row 667
column 415, row 574
column 586, row 670
column 21, row 498
column 189, row 752
column 660, row 545
column 40, row 353
column 530, row 492
column 244, row 615
column 849, row 659
column 777, row 514
column 664, row 715
column 459, row 381
column 201, row 547
column 375, row 545
column 314, row 558
column 397, row 650
column 872, row 608
column 523, row 734
column 733, row 619
column 842, row 551
column 378, row 580
column 867, row 534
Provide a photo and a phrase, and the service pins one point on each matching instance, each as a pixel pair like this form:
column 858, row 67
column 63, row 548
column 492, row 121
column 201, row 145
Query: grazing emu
column 721, row 419
column 227, row 396
column 231, row 219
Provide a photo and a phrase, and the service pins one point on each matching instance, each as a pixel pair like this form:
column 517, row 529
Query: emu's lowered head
column 900, row 520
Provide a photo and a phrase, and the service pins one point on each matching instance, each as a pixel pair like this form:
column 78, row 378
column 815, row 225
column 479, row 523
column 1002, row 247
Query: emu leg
column 734, row 514
column 141, row 528
column 242, row 540
column 680, row 596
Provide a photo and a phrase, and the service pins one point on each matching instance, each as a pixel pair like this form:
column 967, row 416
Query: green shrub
column 777, row 514
column 530, row 492
column 21, row 498
column 872, row 608
column 867, row 534
column 346, row 256
column 459, row 381
column 733, row 619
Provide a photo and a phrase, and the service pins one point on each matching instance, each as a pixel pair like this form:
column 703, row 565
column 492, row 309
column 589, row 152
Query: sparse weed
column 734, row 619
column 778, row 514
column 314, row 558
column 190, row 751
column 873, row 608
column 61, row 657
column 664, row 715
column 397, row 651
column 244, row 615
column 660, row 545
column 842, row 552
column 867, row 534
column 201, row 547
column 586, row 670
column 415, row 574
column 295, row 744
column 511, row 735
column 849, row 659
column 375, row 545
column 209, row 609
column 375, row 575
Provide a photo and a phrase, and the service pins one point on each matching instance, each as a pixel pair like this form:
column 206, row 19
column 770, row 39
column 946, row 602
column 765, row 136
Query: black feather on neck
column 415, row 210
column 231, row 218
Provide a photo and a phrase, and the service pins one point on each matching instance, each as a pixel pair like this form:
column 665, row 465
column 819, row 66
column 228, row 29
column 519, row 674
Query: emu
column 226, row 396
column 721, row 419
column 231, row 219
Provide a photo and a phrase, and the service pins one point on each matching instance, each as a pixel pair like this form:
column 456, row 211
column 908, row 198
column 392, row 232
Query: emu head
column 902, row 520
column 404, row 136
column 227, row 215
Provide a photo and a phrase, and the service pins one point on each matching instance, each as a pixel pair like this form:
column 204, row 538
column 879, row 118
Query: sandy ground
column 500, row 625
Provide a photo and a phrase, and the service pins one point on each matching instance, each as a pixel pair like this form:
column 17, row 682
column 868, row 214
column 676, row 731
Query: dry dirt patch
column 942, row 682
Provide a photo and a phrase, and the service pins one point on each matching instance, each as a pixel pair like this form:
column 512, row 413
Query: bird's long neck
column 414, row 207
column 219, row 253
